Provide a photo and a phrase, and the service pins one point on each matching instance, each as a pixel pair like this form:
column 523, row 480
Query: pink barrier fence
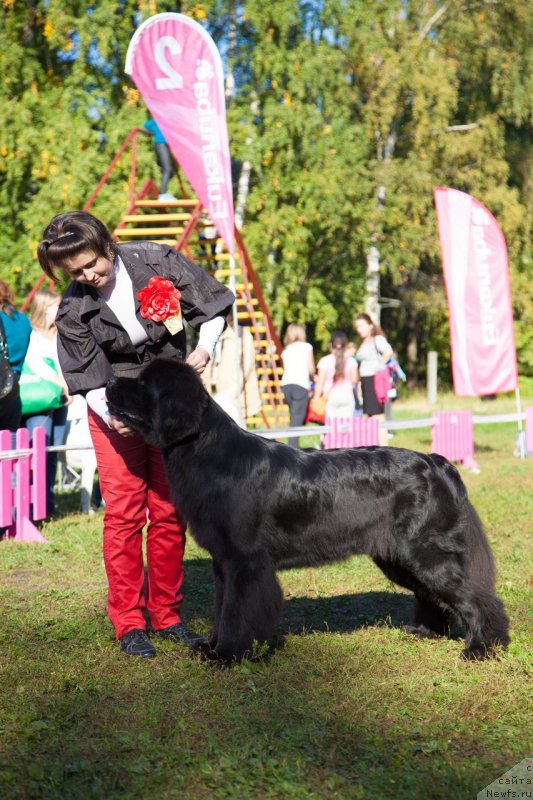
column 23, row 483
column 452, row 436
column 351, row 432
column 23, row 477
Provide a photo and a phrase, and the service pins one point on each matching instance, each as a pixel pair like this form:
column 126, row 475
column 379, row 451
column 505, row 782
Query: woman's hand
column 199, row 359
column 119, row 427
column 67, row 398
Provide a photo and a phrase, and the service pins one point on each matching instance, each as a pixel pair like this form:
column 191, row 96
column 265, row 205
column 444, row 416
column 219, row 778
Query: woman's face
column 89, row 268
column 362, row 328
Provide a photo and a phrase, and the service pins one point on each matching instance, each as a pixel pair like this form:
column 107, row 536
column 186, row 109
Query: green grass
column 347, row 706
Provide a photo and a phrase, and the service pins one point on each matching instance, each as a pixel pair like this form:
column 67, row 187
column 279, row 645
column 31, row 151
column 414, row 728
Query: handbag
column 316, row 411
column 37, row 394
column 382, row 384
column 8, row 377
column 382, row 380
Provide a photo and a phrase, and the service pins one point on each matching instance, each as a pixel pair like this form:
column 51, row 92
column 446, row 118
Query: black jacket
column 92, row 344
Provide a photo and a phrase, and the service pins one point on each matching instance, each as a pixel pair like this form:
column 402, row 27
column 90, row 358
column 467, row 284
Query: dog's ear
column 178, row 401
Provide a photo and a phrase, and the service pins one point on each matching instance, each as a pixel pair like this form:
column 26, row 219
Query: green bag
column 37, row 394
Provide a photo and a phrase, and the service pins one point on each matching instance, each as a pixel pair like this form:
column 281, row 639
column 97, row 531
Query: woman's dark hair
column 71, row 233
column 376, row 329
column 338, row 343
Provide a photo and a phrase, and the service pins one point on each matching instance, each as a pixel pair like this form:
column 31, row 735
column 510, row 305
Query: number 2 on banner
column 173, row 79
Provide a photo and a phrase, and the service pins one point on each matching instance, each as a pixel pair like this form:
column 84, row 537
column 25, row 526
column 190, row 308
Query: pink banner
column 178, row 71
column 476, row 274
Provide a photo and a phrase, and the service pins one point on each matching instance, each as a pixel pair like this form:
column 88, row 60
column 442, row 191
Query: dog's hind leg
column 250, row 609
column 397, row 573
column 430, row 619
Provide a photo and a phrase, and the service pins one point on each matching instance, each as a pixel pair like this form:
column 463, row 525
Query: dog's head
column 164, row 404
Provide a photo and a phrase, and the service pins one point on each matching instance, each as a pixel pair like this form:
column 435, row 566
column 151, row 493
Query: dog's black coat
column 258, row 506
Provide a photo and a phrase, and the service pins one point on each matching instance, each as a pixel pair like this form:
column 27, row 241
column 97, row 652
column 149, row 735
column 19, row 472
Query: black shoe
column 181, row 634
column 137, row 643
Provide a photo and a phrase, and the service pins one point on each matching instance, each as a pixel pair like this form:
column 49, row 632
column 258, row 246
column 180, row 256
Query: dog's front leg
column 218, row 577
column 251, row 605
column 207, row 650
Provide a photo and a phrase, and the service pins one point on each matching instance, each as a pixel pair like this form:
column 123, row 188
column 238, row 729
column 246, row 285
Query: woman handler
column 102, row 333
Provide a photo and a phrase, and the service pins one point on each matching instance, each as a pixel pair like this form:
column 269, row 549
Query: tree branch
column 432, row 21
column 469, row 127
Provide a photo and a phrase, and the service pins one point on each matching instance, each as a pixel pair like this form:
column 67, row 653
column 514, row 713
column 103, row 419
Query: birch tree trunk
column 373, row 266
column 243, row 189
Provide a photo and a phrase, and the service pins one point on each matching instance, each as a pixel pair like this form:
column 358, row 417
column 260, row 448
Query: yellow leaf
column 132, row 97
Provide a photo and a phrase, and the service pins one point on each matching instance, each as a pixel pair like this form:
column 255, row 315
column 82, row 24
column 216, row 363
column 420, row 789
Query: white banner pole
column 521, row 437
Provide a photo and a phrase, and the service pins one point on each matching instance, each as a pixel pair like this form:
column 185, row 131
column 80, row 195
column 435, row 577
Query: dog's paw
column 204, row 651
column 479, row 653
column 474, row 654
column 420, row 631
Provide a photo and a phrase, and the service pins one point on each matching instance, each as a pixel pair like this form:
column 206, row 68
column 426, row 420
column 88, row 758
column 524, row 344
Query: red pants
column 134, row 487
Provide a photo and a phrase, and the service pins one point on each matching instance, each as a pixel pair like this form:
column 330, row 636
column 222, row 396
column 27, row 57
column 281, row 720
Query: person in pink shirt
column 337, row 376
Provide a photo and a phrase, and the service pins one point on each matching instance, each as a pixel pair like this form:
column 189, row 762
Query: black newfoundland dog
column 258, row 506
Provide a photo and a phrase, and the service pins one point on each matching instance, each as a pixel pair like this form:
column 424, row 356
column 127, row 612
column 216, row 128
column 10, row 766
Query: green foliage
column 63, row 113
column 389, row 89
column 335, row 103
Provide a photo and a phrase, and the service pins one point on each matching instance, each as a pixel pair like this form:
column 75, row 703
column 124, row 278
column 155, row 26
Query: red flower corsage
column 160, row 302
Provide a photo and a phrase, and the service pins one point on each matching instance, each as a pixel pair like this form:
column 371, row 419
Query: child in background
column 298, row 372
column 43, row 349
column 164, row 158
column 337, row 378
column 351, row 350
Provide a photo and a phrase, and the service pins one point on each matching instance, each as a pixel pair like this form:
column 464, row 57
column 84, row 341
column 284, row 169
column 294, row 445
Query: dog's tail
column 487, row 619
column 478, row 555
